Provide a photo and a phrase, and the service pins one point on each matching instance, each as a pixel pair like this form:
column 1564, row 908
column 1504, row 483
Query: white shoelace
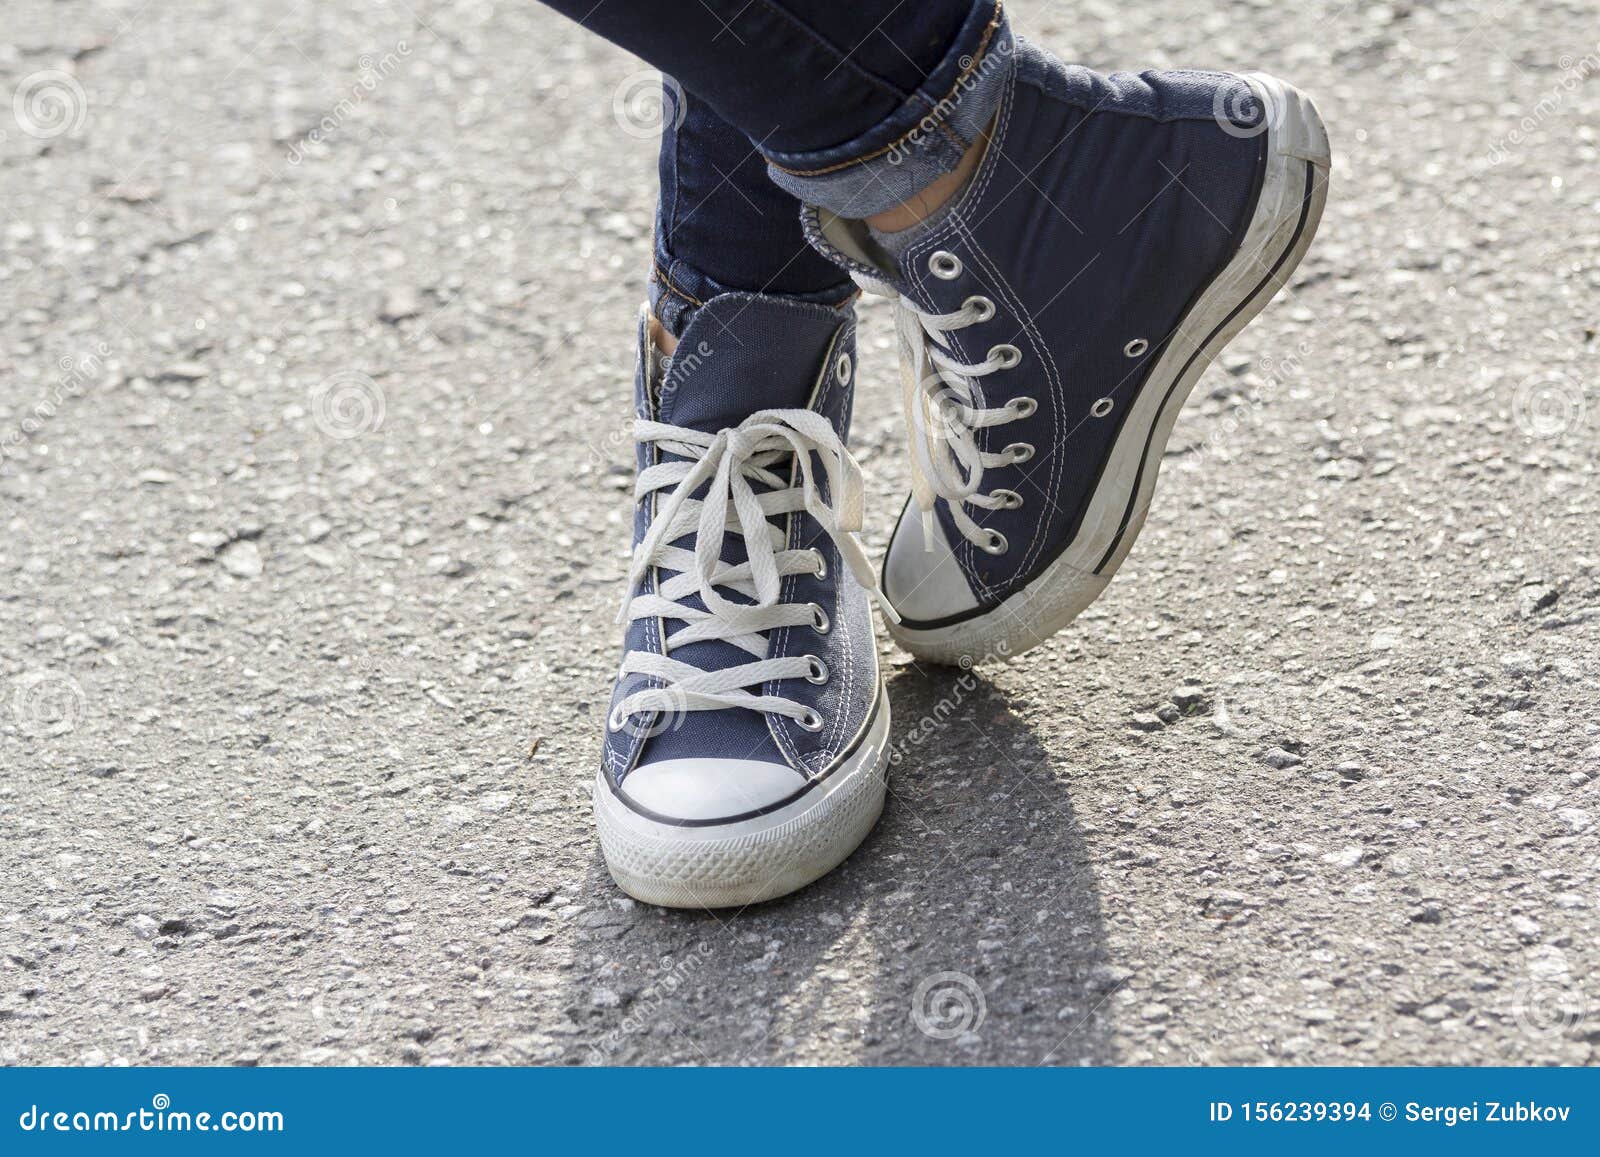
column 940, row 398
column 728, row 463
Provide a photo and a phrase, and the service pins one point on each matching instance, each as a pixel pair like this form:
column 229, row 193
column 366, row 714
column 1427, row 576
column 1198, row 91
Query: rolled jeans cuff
column 922, row 140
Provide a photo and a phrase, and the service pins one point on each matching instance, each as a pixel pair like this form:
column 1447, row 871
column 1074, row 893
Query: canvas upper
column 1102, row 208
column 745, row 355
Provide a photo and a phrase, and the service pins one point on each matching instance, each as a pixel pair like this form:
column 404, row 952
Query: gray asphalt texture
column 315, row 349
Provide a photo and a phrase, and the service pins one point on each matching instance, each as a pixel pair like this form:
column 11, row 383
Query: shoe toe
column 708, row 790
column 921, row 578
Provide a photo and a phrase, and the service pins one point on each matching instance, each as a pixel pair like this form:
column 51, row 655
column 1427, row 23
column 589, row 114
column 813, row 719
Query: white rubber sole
column 734, row 864
column 1293, row 192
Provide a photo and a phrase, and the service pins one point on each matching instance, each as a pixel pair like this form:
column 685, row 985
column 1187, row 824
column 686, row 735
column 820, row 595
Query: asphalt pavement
column 315, row 357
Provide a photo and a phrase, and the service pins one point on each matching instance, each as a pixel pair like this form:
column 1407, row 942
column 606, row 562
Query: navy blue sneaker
column 747, row 739
column 1118, row 232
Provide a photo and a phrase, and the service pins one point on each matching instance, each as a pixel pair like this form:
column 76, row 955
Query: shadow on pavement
column 965, row 930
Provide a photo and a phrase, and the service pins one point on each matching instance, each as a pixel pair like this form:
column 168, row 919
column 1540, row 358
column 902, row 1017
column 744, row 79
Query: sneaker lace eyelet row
column 761, row 470
column 941, row 400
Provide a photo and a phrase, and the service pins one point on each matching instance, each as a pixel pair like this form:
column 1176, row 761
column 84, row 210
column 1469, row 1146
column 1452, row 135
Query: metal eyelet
column 615, row 722
column 842, row 369
column 944, row 265
column 1135, row 348
column 1022, row 407
column 819, row 619
column 1006, row 356
column 984, row 307
column 819, row 670
column 1018, row 452
column 995, row 543
column 810, row 721
column 822, row 564
column 1009, row 499
column 1101, row 408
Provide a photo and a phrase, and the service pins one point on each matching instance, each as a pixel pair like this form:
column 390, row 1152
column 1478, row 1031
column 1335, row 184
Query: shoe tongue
column 744, row 352
column 740, row 353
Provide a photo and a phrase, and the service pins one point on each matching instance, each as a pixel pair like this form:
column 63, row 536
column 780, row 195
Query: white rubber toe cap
column 924, row 585
column 709, row 789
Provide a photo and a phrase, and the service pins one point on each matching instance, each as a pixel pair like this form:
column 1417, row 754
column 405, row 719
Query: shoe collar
column 743, row 352
column 848, row 243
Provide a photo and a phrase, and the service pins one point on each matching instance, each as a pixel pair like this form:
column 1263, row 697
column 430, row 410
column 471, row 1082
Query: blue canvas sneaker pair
column 1117, row 233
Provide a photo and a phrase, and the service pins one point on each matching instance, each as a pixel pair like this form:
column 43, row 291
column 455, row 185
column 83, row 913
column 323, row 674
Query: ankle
column 660, row 338
column 923, row 204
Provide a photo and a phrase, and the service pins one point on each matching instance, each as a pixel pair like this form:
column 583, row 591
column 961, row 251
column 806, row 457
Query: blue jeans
column 853, row 105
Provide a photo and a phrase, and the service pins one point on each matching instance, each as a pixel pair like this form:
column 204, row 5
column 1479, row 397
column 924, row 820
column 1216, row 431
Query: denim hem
column 922, row 140
column 677, row 289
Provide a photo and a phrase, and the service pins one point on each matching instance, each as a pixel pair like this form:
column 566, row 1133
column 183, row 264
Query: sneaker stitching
column 779, row 727
column 836, row 729
column 1056, row 385
column 653, row 635
column 1057, row 390
column 965, row 553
